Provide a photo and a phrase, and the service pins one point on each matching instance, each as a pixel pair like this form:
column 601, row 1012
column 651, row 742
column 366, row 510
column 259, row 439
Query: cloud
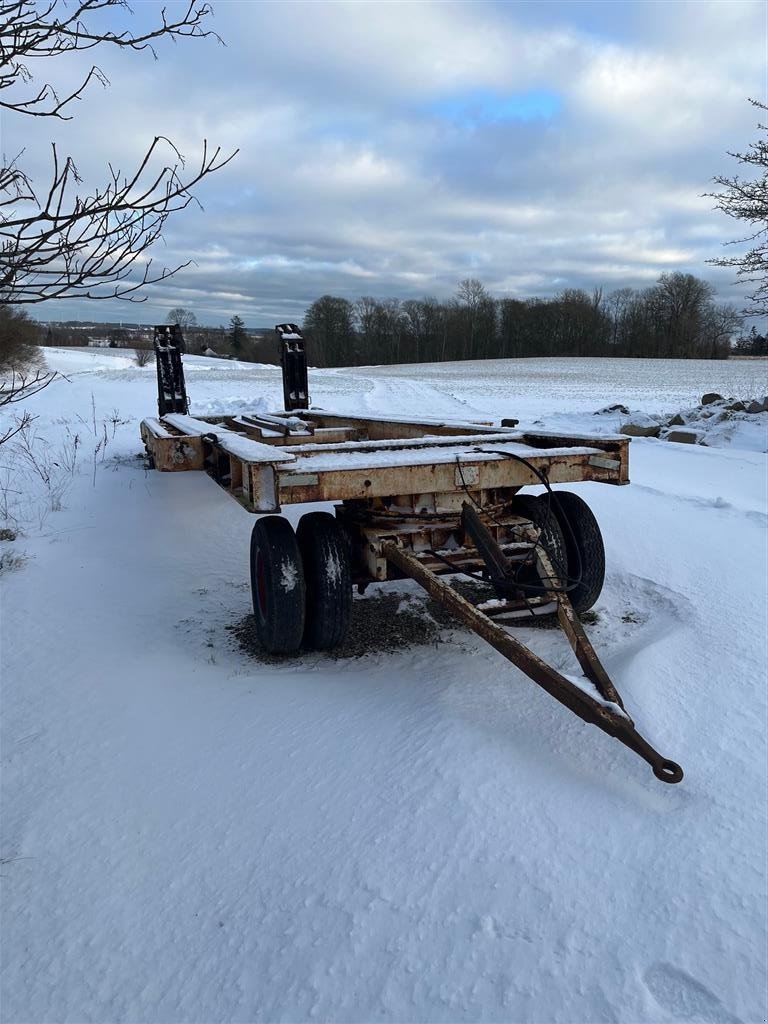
column 392, row 149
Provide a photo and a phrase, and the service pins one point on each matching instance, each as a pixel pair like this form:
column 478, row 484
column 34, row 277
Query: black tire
column 325, row 554
column 533, row 507
column 277, row 585
column 584, row 547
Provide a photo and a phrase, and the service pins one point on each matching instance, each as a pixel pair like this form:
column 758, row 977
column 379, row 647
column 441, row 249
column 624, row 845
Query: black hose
column 569, row 582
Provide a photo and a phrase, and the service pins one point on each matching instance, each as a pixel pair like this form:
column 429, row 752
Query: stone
column 757, row 407
column 676, row 421
column 617, row 407
column 736, row 406
column 710, row 397
column 682, row 436
column 640, row 429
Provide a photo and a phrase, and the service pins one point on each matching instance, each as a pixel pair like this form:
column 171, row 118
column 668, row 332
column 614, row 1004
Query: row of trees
column 752, row 344
column 676, row 318
column 233, row 340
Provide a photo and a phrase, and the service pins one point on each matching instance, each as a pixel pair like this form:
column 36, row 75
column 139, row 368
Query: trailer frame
column 428, row 499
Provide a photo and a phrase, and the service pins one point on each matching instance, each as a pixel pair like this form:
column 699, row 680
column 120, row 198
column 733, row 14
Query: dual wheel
column 301, row 583
column 572, row 539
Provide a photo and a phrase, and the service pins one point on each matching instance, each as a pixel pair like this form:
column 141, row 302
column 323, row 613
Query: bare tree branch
column 18, row 388
column 63, row 244
column 28, row 30
column 747, row 200
column 21, row 386
column 57, row 243
column 20, row 424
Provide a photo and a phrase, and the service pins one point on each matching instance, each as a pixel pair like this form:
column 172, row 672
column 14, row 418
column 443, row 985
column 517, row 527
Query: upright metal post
column 293, row 360
column 171, row 387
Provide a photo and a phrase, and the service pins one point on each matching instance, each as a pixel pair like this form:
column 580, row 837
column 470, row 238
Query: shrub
column 19, row 338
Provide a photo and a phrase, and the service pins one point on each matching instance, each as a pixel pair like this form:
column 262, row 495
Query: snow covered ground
column 191, row 835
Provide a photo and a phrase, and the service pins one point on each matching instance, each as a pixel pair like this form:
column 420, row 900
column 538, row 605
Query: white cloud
column 346, row 182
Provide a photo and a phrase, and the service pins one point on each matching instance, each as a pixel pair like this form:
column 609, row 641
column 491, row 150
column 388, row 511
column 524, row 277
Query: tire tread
column 283, row 628
column 329, row 600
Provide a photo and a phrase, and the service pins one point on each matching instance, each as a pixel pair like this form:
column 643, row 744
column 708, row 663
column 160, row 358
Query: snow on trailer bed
column 326, row 456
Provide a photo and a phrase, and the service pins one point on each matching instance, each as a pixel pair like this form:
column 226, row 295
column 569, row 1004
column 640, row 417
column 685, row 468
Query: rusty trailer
column 420, row 498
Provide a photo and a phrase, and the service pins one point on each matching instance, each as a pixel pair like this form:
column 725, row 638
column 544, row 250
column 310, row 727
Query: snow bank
column 419, row 835
column 716, row 421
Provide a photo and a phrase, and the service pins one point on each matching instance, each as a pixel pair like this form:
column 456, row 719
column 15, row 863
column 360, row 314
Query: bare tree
column 184, row 318
column 471, row 293
column 747, row 200
column 478, row 311
column 54, row 242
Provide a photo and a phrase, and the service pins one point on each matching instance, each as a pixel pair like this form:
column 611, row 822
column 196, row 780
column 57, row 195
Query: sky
column 395, row 148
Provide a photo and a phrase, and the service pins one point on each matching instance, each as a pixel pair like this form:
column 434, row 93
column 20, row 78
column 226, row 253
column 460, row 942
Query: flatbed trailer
column 421, row 498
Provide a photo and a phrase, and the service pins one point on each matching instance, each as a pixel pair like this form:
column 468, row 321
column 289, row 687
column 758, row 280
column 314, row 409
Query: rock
column 736, row 406
column 682, row 436
column 710, row 397
column 7, row 534
column 640, row 429
column 618, row 407
column 676, row 421
column 757, row 407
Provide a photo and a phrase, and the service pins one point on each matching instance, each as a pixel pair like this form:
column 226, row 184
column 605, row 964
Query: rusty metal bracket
column 607, row 714
column 499, row 567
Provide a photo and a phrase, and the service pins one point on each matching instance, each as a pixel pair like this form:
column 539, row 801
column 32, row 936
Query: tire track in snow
column 410, row 398
column 706, row 504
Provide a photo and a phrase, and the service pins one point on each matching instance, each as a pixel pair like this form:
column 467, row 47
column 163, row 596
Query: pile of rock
column 752, row 407
column 681, row 427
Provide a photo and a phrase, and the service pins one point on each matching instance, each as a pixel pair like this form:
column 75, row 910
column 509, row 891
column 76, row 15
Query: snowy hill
column 190, row 834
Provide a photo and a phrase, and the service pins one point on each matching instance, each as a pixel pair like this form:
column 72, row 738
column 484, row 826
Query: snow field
column 189, row 835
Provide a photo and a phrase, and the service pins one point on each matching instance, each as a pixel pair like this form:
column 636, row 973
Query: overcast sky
column 391, row 149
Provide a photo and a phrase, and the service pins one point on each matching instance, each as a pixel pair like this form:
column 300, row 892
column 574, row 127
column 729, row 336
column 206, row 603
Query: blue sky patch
column 482, row 106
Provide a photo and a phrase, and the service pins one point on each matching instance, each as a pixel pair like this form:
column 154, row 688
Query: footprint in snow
column 685, row 997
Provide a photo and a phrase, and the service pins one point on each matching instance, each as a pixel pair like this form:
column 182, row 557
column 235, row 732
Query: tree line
column 751, row 344
column 677, row 318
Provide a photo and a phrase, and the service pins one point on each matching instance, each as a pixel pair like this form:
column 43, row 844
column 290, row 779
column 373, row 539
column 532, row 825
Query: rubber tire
column 584, row 547
column 277, row 585
column 534, row 507
column 325, row 554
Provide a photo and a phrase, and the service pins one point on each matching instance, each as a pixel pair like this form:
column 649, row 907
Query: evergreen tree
column 237, row 334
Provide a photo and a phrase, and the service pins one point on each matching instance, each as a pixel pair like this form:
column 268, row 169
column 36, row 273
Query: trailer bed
column 266, row 462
